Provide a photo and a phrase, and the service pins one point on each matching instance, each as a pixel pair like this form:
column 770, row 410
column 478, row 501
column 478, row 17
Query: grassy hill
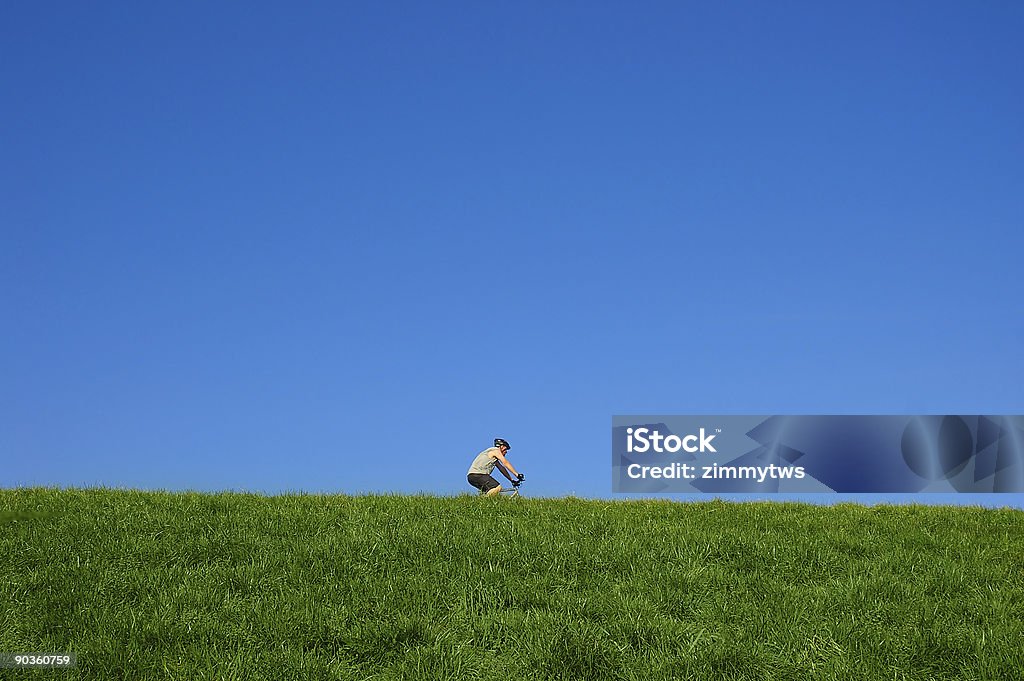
column 232, row 586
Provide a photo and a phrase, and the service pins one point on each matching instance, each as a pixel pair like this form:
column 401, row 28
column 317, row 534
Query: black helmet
column 498, row 442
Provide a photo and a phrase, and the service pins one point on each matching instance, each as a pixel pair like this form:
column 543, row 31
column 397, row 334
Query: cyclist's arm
column 506, row 467
column 504, row 471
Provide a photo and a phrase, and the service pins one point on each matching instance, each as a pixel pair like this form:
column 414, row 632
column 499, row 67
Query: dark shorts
column 482, row 482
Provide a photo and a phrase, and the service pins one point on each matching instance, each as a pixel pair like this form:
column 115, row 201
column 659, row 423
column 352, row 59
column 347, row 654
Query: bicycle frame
column 506, row 492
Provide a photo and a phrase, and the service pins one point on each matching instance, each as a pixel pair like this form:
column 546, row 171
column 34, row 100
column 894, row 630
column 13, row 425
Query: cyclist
column 479, row 475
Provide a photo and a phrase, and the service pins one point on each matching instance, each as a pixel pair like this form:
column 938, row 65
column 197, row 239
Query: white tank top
column 484, row 462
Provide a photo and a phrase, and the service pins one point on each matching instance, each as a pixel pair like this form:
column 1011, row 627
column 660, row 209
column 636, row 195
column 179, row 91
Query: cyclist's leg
column 491, row 486
column 485, row 483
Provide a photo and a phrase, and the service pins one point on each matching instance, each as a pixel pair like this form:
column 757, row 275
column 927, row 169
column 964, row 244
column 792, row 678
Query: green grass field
column 145, row 585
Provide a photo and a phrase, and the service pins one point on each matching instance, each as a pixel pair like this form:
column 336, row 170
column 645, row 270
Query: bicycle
column 514, row 492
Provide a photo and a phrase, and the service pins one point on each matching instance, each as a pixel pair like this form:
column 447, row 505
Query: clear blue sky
column 340, row 247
